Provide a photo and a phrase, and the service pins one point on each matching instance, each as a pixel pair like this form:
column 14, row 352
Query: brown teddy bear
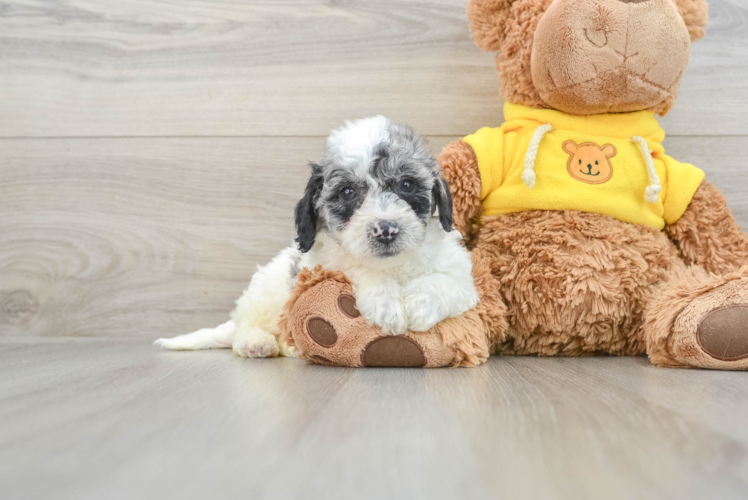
column 586, row 237
column 597, row 241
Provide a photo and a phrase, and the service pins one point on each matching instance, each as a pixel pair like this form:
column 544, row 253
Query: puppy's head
column 374, row 191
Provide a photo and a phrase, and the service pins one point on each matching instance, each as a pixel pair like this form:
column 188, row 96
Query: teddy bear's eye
column 580, row 162
column 596, row 162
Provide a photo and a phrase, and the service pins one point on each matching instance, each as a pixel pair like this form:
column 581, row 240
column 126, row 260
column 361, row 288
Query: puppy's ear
column 306, row 211
column 443, row 201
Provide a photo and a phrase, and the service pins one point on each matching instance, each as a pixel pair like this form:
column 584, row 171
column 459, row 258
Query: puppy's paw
column 425, row 307
column 383, row 311
column 287, row 351
column 256, row 343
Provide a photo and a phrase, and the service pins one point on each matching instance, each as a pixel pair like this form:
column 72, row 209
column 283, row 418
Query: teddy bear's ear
column 696, row 15
column 488, row 22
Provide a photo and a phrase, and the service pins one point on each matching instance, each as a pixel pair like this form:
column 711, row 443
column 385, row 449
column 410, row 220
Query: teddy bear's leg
column 322, row 322
column 699, row 320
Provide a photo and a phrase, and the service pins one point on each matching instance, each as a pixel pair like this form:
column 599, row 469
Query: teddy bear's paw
column 712, row 331
column 383, row 311
column 328, row 327
column 255, row 343
column 723, row 332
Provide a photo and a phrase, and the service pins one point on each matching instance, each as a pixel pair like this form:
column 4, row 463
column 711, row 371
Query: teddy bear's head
column 589, row 56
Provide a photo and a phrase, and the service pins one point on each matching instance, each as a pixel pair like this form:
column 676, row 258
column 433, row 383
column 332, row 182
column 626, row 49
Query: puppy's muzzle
column 385, row 232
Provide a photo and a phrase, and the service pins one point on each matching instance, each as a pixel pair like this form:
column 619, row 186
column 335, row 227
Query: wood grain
column 283, row 68
column 154, row 237
column 90, row 419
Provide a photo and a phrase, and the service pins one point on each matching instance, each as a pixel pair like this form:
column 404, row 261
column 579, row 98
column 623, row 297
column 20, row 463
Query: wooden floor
column 102, row 418
column 150, row 157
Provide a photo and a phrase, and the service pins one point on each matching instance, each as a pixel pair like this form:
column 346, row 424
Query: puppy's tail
column 208, row 338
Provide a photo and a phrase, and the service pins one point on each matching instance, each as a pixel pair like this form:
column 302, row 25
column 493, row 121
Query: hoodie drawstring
column 528, row 175
column 652, row 193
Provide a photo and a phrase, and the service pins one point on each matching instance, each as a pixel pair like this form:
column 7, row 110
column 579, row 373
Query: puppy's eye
column 407, row 185
column 347, row 194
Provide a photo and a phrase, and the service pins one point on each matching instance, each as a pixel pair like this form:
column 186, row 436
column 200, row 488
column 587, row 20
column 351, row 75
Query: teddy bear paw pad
column 347, row 304
column 322, row 332
column 394, row 352
column 723, row 332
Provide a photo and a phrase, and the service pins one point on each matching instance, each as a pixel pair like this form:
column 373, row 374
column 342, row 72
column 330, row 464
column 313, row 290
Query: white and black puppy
column 377, row 208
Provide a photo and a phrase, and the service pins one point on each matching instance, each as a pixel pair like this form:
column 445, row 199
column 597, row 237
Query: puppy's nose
column 385, row 231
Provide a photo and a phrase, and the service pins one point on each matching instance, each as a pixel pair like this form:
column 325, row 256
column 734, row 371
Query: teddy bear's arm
column 707, row 233
column 461, row 173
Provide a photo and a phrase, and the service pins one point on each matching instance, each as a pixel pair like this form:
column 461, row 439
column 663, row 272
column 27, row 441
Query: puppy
column 377, row 208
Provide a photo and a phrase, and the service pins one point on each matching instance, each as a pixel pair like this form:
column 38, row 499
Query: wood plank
column 104, row 237
column 155, row 237
column 713, row 98
column 86, row 417
column 223, row 68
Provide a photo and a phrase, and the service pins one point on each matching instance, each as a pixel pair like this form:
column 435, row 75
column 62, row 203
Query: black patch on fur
column 419, row 199
column 306, row 210
column 342, row 211
column 443, row 201
column 337, row 210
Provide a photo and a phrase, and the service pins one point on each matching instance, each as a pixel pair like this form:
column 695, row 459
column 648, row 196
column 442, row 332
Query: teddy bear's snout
column 599, row 56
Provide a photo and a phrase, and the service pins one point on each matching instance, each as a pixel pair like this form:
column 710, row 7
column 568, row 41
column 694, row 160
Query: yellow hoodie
column 611, row 164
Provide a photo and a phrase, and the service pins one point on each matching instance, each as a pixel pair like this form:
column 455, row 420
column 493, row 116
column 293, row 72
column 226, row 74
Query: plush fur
column 707, row 234
column 574, row 283
column 377, row 209
column 579, row 284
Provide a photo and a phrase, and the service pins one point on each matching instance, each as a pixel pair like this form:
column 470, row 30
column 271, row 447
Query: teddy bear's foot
column 323, row 324
column 723, row 332
column 707, row 317
column 328, row 329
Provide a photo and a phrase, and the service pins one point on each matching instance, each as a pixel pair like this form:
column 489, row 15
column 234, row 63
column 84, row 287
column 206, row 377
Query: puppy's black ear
column 306, row 210
column 443, row 201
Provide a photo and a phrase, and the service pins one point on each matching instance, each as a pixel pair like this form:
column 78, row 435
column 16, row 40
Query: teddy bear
column 586, row 238
column 597, row 241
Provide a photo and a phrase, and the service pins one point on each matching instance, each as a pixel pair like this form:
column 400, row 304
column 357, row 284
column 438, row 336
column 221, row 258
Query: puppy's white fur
column 429, row 280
